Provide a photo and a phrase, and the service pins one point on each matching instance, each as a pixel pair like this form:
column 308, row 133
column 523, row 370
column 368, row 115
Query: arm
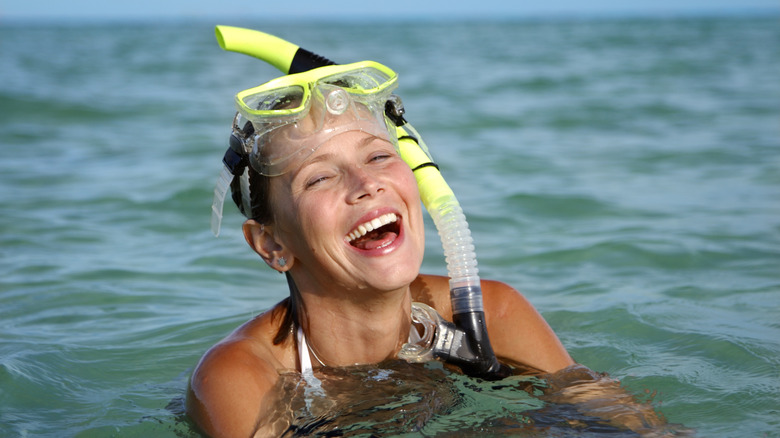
column 228, row 388
column 601, row 396
column 518, row 332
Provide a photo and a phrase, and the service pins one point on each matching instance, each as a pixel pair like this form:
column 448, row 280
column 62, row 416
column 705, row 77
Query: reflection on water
column 396, row 398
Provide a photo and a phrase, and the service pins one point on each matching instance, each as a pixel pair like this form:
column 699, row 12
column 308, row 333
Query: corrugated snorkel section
column 449, row 219
column 467, row 346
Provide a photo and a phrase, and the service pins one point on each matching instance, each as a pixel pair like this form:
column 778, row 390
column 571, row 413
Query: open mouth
column 376, row 233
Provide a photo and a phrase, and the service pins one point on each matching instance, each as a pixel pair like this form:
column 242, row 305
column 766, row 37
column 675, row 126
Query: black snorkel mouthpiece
column 473, row 353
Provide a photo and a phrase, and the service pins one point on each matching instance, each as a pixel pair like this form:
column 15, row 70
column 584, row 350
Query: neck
column 343, row 331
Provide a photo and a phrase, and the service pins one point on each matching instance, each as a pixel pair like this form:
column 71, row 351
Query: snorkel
column 464, row 343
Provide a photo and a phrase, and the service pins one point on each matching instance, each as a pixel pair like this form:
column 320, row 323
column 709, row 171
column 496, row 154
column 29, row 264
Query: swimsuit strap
column 303, row 352
column 313, row 388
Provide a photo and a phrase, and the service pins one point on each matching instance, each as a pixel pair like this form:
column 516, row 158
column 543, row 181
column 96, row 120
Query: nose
column 364, row 184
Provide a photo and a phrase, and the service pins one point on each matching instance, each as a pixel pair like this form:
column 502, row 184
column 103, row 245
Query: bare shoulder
column 499, row 298
column 232, row 380
column 518, row 331
column 502, row 300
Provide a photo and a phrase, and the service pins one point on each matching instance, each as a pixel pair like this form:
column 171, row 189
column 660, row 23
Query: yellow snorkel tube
column 465, row 343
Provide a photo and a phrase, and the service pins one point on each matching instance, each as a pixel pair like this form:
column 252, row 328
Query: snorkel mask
column 293, row 115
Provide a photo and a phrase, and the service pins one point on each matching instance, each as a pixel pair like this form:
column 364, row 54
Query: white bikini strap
column 313, row 389
column 303, row 353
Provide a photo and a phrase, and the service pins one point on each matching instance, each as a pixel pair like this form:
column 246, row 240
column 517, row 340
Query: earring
column 282, row 261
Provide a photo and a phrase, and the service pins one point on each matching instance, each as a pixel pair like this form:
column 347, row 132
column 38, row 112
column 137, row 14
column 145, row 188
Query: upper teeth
column 371, row 225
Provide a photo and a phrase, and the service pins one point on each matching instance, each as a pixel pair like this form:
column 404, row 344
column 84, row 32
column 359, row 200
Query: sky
column 352, row 9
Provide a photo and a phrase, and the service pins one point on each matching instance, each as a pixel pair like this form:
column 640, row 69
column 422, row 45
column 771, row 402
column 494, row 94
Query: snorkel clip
column 448, row 342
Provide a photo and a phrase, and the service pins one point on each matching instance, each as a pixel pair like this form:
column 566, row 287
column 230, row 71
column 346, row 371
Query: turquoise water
column 624, row 174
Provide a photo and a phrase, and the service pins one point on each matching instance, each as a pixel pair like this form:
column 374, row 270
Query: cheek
column 411, row 193
column 316, row 215
column 410, row 189
column 287, row 214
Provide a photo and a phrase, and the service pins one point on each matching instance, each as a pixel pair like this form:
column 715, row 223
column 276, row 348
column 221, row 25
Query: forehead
column 348, row 145
column 286, row 148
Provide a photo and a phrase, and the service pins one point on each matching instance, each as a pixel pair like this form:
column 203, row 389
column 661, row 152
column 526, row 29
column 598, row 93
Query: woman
column 333, row 206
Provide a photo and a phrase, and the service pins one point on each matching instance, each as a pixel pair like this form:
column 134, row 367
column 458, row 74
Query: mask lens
column 274, row 103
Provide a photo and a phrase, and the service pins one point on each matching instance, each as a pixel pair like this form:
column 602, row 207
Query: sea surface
column 624, row 174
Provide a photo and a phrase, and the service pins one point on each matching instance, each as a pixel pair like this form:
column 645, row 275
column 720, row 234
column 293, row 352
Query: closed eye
column 316, row 180
column 378, row 158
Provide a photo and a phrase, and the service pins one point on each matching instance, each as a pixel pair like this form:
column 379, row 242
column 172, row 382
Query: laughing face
column 350, row 216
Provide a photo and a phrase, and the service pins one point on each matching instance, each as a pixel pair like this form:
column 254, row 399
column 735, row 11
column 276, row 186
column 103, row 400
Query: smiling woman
column 329, row 201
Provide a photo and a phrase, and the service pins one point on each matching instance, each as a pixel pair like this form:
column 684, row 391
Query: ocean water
column 624, row 174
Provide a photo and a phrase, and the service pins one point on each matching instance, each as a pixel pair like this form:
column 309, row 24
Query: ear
column 261, row 239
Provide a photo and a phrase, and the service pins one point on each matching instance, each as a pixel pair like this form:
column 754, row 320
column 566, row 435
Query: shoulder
column 498, row 297
column 518, row 332
column 502, row 300
column 229, row 385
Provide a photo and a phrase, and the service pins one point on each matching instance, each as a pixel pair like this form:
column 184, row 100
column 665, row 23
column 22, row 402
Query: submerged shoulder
column 229, row 384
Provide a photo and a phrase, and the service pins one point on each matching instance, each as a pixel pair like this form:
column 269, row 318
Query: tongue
column 374, row 240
